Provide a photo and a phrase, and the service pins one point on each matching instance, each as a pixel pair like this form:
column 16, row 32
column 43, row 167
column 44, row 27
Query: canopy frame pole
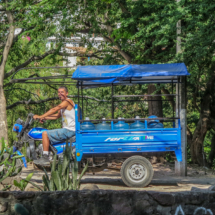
column 78, row 94
column 112, row 102
column 173, row 112
column 181, row 167
column 82, row 100
column 132, row 119
column 79, row 115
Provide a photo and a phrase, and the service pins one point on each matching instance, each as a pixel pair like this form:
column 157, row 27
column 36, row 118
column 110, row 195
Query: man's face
column 62, row 94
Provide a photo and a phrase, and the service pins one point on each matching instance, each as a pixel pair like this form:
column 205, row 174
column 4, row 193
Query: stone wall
column 103, row 202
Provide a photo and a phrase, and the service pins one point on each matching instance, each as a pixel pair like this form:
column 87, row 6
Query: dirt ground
column 164, row 179
column 193, row 170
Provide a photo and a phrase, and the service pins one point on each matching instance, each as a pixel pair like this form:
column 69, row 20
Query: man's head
column 62, row 93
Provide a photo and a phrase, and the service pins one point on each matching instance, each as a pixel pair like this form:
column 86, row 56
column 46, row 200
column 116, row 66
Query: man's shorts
column 59, row 135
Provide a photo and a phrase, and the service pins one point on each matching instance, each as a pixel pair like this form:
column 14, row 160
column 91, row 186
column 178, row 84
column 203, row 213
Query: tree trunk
column 198, row 140
column 212, row 152
column 3, row 114
column 154, row 107
column 204, row 124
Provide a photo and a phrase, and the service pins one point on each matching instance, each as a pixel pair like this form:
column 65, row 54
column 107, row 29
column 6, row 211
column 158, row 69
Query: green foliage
column 137, row 32
column 23, row 183
column 60, row 178
column 8, row 161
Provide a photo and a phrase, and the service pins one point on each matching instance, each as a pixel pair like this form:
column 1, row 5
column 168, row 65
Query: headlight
column 17, row 128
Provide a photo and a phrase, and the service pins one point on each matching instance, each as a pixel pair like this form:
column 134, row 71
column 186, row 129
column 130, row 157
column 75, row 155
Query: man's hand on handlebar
column 36, row 116
column 42, row 120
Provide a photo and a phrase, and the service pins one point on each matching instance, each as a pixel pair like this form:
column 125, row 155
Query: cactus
column 8, row 160
column 20, row 209
column 60, row 178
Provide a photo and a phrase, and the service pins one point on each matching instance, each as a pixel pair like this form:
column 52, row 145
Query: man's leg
column 44, row 160
column 45, row 141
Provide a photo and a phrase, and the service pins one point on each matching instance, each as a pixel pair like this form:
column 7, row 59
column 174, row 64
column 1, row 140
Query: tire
column 136, row 171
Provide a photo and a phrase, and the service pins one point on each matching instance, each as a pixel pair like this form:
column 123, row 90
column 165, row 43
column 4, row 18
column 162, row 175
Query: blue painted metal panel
column 125, row 141
column 60, row 147
column 36, row 133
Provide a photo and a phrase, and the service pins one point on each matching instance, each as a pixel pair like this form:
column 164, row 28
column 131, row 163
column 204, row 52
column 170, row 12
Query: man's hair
column 65, row 88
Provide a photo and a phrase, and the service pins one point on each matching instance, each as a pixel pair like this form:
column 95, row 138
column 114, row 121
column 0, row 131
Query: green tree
column 198, row 54
column 16, row 51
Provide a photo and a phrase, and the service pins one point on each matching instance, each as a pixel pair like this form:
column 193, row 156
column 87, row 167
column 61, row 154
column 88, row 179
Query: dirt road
column 164, row 179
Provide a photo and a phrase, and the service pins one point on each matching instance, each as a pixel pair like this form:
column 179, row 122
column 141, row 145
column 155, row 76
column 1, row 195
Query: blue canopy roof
column 109, row 74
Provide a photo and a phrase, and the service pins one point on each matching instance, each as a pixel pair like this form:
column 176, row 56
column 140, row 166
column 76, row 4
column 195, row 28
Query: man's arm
column 52, row 111
column 53, row 116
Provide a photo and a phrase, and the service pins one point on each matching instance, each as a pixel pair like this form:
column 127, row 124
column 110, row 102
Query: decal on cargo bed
column 130, row 138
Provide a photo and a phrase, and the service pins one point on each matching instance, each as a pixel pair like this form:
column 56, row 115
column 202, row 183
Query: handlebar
column 30, row 114
column 27, row 123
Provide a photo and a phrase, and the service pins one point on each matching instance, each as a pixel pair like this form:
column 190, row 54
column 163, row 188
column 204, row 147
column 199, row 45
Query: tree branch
column 27, row 62
column 49, row 99
column 44, row 81
column 194, row 103
column 7, row 46
column 78, row 54
column 15, row 69
column 170, row 98
column 18, row 88
column 14, row 39
column 125, row 55
column 189, row 136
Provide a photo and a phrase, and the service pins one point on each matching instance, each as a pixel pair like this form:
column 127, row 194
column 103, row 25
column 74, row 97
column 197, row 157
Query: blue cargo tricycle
column 101, row 145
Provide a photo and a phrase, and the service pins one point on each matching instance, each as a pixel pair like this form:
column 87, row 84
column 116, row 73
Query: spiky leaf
column 57, row 180
column 46, row 183
column 17, row 184
column 46, row 174
column 81, row 175
column 53, row 165
column 75, row 174
column 7, row 187
column 35, row 185
column 52, row 185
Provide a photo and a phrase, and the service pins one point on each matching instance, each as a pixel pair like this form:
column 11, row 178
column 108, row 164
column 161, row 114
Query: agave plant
column 60, row 178
column 10, row 164
column 23, row 183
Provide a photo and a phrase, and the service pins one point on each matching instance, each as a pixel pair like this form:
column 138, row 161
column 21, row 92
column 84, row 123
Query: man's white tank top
column 68, row 118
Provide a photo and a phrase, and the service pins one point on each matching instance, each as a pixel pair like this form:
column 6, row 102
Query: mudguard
column 23, row 158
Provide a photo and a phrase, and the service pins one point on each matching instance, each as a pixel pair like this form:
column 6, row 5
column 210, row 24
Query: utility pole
column 181, row 110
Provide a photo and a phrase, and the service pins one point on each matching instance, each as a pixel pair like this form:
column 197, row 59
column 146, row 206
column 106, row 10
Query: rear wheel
column 136, row 171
